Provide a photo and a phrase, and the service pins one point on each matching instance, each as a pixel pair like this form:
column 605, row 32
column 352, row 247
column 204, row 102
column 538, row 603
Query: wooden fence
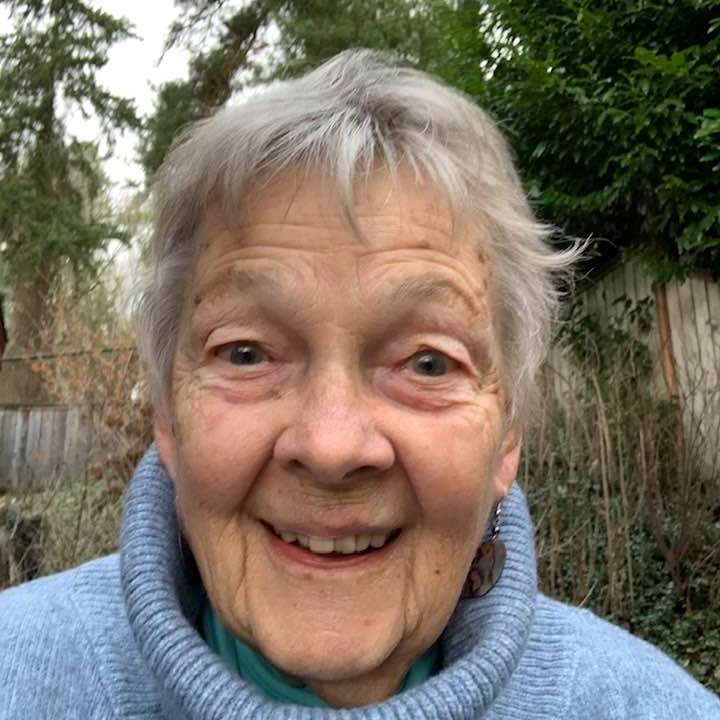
column 684, row 343
column 41, row 444
column 692, row 317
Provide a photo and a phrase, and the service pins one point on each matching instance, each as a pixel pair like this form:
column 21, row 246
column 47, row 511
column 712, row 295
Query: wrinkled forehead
column 378, row 205
column 292, row 243
column 401, row 234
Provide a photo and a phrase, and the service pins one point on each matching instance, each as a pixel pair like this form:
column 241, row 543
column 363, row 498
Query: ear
column 509, row 461
column 165, row 442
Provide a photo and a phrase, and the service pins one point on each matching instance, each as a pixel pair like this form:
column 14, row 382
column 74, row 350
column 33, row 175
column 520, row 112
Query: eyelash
column 218, row 351
column 451, row 363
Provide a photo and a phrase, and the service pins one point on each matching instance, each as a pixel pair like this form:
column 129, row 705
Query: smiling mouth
column 337, row 547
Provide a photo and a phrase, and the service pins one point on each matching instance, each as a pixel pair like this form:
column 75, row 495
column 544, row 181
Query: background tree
column 611, row 105
column 212, row 74
column 53, row 212
column 263, row 40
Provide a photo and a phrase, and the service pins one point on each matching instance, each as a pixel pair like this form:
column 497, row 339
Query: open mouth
column 345, row 547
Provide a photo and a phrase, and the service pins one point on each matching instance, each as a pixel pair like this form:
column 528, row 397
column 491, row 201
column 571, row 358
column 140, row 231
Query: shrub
column 628, row 516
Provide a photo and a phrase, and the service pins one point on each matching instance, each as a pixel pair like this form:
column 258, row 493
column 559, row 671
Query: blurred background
column 613, row 110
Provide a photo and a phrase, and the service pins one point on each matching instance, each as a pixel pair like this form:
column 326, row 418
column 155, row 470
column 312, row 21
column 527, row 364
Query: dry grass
column 91, row 363
column 82, row 521
column 625, row 492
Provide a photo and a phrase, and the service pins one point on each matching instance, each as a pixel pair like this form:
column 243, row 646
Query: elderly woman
column 348, row 301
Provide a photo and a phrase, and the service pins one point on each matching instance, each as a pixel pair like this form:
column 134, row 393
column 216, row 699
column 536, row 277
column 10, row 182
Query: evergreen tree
column 52, row 209
column 611, row 105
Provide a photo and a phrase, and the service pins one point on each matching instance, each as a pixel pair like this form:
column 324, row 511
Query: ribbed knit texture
column 117, row 640
column 483, row 643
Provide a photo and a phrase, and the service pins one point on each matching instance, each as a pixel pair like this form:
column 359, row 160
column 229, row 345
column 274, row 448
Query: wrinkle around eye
column 426, row 394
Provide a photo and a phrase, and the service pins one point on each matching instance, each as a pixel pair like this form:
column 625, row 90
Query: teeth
column 322, row 546
column 344, row 545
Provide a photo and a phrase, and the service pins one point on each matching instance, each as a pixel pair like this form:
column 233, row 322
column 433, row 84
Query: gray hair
column 357, row 112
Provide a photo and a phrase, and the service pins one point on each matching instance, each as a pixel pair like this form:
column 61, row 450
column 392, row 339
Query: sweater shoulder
column 618, row 675
column 53, row 590
column 55, row 604
column 47, row 648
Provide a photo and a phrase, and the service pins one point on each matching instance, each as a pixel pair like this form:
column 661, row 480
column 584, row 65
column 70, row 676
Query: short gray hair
column 356, row 112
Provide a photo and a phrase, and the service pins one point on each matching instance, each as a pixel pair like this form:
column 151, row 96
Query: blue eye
column 429, row 363
column 246, row 354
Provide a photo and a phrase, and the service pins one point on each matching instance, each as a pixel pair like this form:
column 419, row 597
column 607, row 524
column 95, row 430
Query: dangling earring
column 488, row 563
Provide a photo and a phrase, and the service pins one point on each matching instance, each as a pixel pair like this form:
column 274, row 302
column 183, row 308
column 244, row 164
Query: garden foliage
column 611, row 106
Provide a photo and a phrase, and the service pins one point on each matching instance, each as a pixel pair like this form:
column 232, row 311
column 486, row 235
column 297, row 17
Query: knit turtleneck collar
column 481, row 645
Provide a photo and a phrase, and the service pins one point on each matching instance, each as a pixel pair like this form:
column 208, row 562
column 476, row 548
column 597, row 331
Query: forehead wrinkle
column 362, row 224
column 236, row 280
column 432, row 286
column 416, row 218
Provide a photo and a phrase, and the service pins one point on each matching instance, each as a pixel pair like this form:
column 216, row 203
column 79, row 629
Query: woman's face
column 337, row 435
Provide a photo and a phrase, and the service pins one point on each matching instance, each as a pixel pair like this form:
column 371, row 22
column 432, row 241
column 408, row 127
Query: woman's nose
column 334, row 437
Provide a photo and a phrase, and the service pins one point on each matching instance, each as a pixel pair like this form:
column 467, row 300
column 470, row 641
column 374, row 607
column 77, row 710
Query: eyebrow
column 239, row 279
column 409, row 293
column 433, row 286
column 429, row 286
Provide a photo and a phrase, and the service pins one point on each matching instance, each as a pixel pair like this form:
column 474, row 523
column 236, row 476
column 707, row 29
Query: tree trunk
column 30, row 316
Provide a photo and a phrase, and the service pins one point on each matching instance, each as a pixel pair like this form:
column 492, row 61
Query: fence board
column 18, row 446
column 32, row 456
column 74, row 449
column 39, row 445
column 57, row 442
column 694, row 314
column 6, row 421
column 712, row 325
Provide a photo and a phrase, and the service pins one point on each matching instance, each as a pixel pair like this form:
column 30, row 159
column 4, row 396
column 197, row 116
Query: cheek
column 451, row 468
column 221, row 449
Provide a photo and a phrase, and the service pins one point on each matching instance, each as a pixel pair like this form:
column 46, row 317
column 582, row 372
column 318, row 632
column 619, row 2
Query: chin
column 329, row 656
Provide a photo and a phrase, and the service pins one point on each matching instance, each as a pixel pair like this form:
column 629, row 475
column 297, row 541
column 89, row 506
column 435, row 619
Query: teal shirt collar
column 255, row 669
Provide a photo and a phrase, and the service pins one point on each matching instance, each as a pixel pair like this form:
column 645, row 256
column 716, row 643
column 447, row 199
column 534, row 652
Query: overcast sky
column 134, row 70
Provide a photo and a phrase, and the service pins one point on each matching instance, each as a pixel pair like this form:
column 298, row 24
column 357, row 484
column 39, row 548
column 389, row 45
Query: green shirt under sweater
column 276, row 685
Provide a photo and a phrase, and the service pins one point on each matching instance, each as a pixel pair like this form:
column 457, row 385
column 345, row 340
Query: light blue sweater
column 116, row 639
